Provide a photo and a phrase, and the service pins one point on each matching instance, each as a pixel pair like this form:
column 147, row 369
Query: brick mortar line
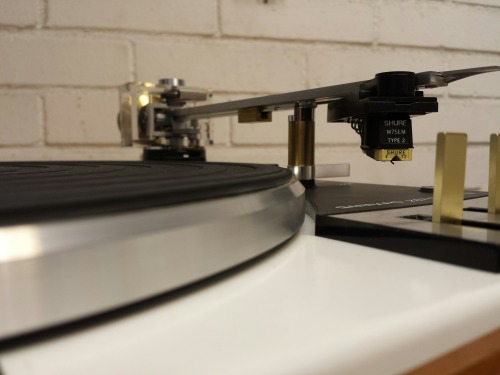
column 310, row 44
column 126, row 35
column 218, row 32
column 42, row 118
column 132, row 60
column 97, row 31
column 90, row 144
column 442, row 48
column 42, row 16
column 376, row 22
column 130, row 33
column 445, row 61
column 21, row 28
column 475, row 5
column 65, row 146
column 21, row 87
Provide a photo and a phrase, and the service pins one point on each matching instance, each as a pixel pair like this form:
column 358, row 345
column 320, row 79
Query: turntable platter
column 33, row 191
column 82, row 238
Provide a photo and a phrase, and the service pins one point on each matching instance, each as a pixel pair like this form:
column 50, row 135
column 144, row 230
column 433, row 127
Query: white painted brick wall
column 19, row 12
column 82, row 117
column 224, row 65
column 177, row 16
column 439, row 24
column 61, row 59
column 33, row 59
column 329, row 65
column 19, row 123
column 294, row 19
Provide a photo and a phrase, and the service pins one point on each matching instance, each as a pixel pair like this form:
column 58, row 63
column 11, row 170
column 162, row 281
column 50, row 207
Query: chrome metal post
column 301, row 141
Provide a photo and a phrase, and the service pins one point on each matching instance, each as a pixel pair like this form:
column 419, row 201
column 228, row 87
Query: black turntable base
column 83, row 238
column 399, row 219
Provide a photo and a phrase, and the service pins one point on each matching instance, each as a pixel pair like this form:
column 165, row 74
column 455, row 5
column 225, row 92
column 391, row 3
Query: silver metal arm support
column 269, row 103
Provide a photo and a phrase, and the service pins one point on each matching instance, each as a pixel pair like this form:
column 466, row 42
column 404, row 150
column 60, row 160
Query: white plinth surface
column 316, row 306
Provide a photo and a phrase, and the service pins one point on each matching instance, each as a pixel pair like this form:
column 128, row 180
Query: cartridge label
column 396, row 132
column 393, row 155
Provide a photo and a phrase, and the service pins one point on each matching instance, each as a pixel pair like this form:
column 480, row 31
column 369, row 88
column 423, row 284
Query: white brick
column 477, row 168
column 333, row 133
column 434, row 24
column 18, row 12
column 334, row 65
column 265, row 133
column 181, row 16
column 19, row 123
column 340, row 20
column 474, row 28
column 219, row 131
column 224, row 66
column 412, row 22
column 476, row 117
column 220, row 127
column 82, row 118
column 487, row 84
column 258, row 154
column 32, row 60
column 494, row 3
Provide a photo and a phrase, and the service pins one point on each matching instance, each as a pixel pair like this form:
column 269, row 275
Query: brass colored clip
column 494, row 175
column 404, row 154
column 254, row 114
column 449, row 178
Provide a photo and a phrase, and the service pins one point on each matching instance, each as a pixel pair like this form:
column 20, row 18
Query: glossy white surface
column 316, row 306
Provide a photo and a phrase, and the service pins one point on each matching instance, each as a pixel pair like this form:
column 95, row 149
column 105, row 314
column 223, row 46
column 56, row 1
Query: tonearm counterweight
column 379, row 110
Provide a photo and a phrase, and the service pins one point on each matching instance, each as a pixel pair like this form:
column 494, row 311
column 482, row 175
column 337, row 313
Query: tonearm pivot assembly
column 379, row 110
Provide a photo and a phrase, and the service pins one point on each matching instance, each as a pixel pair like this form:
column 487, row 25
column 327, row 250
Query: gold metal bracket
column 254, row 114
column 494, row 175
column 449, row 178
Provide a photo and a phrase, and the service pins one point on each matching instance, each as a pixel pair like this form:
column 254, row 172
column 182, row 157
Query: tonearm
column 379, row 110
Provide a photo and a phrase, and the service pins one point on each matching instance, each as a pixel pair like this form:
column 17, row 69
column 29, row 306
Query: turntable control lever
column 494, row 175
column 449, row 178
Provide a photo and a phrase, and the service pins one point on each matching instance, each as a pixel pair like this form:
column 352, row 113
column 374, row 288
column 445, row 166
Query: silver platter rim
column 58, row 272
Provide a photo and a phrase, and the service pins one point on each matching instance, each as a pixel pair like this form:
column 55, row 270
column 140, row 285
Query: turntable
column 179, row 265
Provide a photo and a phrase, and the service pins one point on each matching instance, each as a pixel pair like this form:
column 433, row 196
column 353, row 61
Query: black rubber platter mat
column 36, row 191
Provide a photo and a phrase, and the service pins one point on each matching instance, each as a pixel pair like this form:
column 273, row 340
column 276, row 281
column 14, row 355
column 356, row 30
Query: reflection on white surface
column 19, row 242
column 317, row 306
